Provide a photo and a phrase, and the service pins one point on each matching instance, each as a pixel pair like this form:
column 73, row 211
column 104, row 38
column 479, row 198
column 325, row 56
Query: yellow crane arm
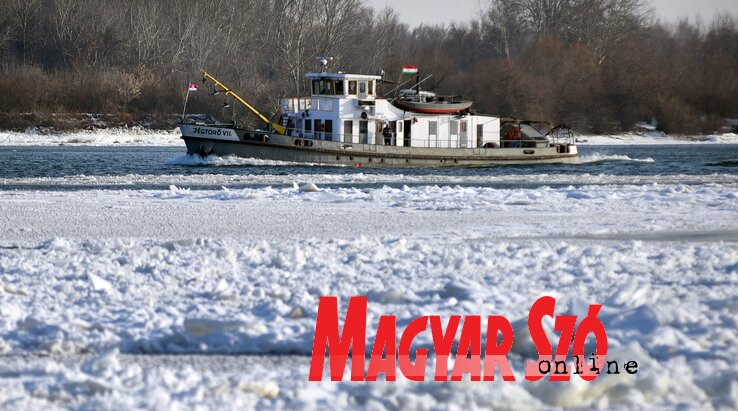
column 277, row 127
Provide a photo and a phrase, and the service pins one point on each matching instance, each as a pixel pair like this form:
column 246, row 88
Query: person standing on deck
column 387, row 133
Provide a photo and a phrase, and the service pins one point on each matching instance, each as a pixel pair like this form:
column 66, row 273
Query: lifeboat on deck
column 428, row 102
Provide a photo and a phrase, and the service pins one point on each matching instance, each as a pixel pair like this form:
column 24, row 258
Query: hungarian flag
column 409, row 70
column 192, row 87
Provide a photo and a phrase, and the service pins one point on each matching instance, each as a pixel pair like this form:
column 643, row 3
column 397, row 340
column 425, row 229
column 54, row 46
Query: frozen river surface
column 141, row 278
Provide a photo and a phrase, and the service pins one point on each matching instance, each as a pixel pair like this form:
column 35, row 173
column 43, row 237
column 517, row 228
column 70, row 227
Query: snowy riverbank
column 136, row 136
column 656, row 138
column 145, row 137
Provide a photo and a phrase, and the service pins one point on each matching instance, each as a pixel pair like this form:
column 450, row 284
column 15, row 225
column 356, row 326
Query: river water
column 81, row 168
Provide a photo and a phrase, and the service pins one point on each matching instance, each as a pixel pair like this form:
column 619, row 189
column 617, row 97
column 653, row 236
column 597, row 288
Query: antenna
column 324, row 62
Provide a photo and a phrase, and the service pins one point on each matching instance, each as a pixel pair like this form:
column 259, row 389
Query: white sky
column 415, row 12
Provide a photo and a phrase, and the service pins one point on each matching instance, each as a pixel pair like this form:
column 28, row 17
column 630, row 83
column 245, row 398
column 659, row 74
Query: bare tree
column 7, row 27
column 604, row 25
column 337, row 23
column 147, row 32
column 546, row 16
column 387, row 35
column 599, row 64
column 288, row 36
column 24, row 15
column 503, row 27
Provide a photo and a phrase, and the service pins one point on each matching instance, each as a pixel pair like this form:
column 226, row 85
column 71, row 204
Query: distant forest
column 598, row 65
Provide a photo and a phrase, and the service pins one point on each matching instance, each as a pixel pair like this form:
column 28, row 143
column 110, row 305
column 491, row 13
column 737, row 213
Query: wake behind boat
column 345, row 122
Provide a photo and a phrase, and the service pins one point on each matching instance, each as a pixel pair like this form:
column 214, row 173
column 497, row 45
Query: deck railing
column 363, row 140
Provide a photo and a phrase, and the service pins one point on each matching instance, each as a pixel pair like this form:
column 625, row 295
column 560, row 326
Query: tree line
column 597, row 65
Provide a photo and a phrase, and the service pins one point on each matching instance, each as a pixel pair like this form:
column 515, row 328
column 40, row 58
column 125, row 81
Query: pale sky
column 415, row 12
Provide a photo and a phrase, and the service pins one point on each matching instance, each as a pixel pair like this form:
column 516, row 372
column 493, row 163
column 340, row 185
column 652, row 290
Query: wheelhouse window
column 371, row 88
column 362, row 87
column 339, row 87
column 330, row 87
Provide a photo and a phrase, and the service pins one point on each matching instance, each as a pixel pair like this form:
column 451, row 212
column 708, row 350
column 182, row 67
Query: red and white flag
column 192, row 87
column 409, row 70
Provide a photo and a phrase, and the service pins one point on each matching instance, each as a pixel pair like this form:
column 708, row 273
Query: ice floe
column 670, row 306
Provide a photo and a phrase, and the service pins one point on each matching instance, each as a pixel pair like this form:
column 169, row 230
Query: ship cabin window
column 322, row 87
column 352, row 87
column 348, row 131
column 327, row 87
column 371, row 88
column 338, row 87
column 319, row 128
column 362, row 87
column 328, row 128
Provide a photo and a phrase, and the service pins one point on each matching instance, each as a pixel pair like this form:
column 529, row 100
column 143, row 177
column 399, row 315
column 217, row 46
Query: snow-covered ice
column 431, row 211
column 184, row 298
column 670, row 306
column 106, row 276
